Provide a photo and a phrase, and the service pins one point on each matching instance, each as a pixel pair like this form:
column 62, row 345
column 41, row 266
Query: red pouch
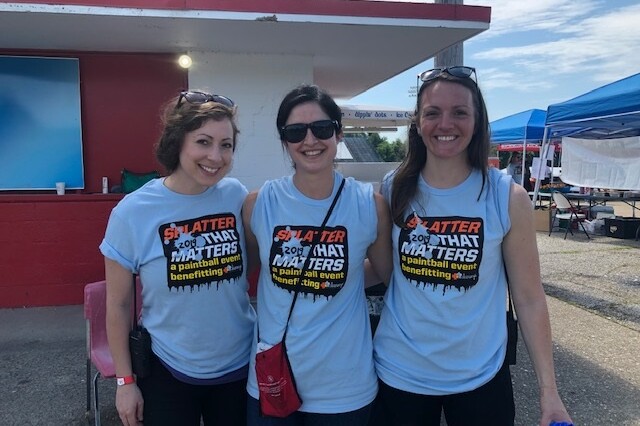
column 278, row 394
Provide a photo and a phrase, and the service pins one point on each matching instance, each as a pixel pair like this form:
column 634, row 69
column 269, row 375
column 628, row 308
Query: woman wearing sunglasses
column 459, row 227
column 183, row 235
column 328, row 338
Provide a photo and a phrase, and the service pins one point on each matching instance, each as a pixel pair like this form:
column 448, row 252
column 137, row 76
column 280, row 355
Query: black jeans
column 170, row 402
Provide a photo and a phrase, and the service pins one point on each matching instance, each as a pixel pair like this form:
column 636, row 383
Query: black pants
column 490, row 404
column 170, row 402
column 358, row 417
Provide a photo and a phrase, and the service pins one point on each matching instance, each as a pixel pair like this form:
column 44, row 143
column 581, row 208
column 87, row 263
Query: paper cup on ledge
column 60, row 186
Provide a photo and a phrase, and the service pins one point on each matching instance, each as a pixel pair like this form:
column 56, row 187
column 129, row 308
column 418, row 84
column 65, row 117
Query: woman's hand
column 552, row 408
column 130, row 404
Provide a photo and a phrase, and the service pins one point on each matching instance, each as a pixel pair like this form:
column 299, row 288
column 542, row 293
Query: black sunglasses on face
column 321, row 129
column 457, row 71
column 203, row 98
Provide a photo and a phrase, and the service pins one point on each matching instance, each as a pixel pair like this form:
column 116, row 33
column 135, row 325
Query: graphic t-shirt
column 515, row 170
column 189, row 252
column 442, row 329
column 329, row 337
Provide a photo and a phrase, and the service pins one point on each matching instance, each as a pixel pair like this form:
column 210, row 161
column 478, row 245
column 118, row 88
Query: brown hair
column 184, row 119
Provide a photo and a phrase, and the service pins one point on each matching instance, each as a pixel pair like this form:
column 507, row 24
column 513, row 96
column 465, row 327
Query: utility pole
column 452, row 55
column 449, row 57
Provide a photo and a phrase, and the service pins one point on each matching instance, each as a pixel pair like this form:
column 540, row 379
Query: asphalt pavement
column 593, row 289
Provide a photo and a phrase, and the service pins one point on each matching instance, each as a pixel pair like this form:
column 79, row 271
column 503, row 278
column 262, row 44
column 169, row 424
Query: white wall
column 367, row 172
column 256, row 83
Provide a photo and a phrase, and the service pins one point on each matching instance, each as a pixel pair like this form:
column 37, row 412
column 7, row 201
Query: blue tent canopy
column 610, row 111
column 525, row 126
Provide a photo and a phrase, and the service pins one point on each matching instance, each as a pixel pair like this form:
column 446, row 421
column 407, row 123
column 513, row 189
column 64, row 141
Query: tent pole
column 524, row 157
column 553, row 160
column 545, row 143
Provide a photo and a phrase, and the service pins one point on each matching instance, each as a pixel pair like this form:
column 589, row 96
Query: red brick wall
column 50, row 247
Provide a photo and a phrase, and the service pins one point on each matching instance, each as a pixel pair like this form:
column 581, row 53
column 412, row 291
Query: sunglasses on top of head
column 321, row 129
column 202, row 98
column 457, row 71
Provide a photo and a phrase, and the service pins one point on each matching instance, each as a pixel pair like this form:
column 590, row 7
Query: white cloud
column 601, row 47
column 606, row 42
column 509, row 78
column 509, row 16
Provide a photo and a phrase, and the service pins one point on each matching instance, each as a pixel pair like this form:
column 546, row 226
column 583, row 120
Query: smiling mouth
column 312, row 153
column 445, row 138
column 211, row 170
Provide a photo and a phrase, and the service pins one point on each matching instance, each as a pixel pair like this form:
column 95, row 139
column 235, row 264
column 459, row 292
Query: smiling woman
column 312, row 232
column 459, row 227
column 205, row 158
column 183, row 237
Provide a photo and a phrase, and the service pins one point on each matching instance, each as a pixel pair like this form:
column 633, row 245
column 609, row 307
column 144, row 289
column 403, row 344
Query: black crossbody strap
column 511, row 310
column 512, row 327
column 306, row 261
column 134, row 314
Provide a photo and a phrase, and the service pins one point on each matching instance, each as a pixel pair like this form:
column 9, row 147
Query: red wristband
column 126, row 380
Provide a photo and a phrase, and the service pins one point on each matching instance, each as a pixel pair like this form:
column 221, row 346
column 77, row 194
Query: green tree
column 376, row 140
column 388, row 151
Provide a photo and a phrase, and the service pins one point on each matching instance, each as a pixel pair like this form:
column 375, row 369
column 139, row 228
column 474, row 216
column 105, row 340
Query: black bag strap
column 512, row 327
column 306, row 261
column 134, row 314
column 510, row 308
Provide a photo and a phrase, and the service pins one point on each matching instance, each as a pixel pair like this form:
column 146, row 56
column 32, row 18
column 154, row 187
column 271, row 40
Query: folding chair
column 98, row 353
column 566, row 211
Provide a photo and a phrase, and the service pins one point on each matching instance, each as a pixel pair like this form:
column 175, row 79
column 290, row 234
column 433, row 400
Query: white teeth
column 209, row 169
column 312, row 153
column 445, row 138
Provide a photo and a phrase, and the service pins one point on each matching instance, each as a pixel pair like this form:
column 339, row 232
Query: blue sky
column 536, row 53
